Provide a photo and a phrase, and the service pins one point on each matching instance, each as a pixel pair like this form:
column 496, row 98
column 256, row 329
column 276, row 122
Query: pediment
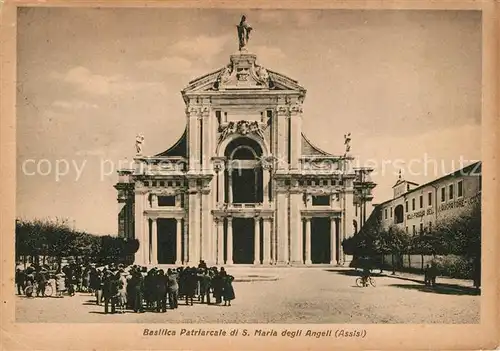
column 243, row 73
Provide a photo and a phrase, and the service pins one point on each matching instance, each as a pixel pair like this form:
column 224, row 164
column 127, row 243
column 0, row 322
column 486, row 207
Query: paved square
column 299, row 295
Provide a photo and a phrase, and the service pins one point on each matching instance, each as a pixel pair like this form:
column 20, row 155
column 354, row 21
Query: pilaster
column 154, row 242
column 139, row 204
column 308, row 241
column 178, row 241
column 267, row 227
column 281, row 121
column 220, row 240
column 282, row 228
column 229, row 241
column 295, row 134
column 333, row 240
column 256, row 260
column 295, row 228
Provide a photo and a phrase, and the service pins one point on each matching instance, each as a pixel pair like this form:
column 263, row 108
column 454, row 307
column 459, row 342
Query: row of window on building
column 168, row 183
column 421, row 229
column 443, row 197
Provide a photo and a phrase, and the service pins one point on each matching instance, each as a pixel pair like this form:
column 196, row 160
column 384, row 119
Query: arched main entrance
column 243, row 176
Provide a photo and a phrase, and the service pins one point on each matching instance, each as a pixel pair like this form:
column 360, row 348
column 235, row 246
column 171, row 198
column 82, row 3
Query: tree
column 394, row 241
column 365, row 243
column 115, row 249
column 56, row 239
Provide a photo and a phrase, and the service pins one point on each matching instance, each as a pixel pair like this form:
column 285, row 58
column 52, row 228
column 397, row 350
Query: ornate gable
column 242, row 73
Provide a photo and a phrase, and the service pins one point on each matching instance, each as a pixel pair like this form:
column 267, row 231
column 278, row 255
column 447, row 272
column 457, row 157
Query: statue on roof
column 139, row 140
column 244, row 30
column 347, row 142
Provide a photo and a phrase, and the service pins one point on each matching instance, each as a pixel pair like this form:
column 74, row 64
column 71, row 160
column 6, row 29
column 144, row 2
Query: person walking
column 109, row 290
column 121, row 296
column 433, row 273
column 191, row 282
column 20, row 281
column 60, row 282
column 172, row 288
column 41, row 280
column 228, row 290
column 217, row 286
column 161, row 291
column 137, row 289
column 204, row 280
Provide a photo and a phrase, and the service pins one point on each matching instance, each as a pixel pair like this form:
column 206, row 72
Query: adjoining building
column 415, row 207
column 243, row 184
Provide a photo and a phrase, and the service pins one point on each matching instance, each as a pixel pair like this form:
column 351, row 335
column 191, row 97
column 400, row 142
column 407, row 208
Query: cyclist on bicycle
column 365, row 275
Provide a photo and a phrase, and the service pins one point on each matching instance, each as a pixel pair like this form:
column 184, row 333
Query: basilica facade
column 243, row 184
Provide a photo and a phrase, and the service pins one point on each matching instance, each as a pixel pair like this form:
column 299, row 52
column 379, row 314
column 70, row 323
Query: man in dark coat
column 217, row 286
column 149, row 288
column 161, row 291
column 41, row 280
column 109, row 292
column 228, row 290
column 191, row 282
column 20, row 281
column 136, row 284
column 433, row 273
column 204, row 280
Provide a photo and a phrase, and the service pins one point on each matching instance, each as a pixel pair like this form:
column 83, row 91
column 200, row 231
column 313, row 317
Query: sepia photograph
column 232, row 166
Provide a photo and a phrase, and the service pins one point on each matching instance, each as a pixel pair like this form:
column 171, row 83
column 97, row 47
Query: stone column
column 266, row 259
column 178, row 241
column 220, row 240
column 281, row 120
column 154, row 201
column 154, row 241
column 139, row 203
column 229, row 241
column 333, row 241
column 193, row 136
column 295, row 228
column 206, row 138
column 220, row 182
column 274, row 257
column 147, row 243
column 348, row 227
column 295, row 134
column 266, row 177
column 340, row 237
column 256, row 246
column 282, row 228
column 230, row 185
column 308, row 240
column 194, row 224
column 206, row 230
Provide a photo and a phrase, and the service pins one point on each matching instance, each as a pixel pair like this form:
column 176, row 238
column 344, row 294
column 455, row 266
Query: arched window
column 243, row 181
column 243, row 153
column 398, row 214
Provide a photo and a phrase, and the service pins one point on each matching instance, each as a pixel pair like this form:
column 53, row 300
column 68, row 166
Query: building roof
column 473, row 169
column 401, row 181
column 178, row 149
column 308, row 149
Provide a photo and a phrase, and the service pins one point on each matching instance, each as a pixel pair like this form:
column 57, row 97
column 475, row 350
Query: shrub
column 454, row 266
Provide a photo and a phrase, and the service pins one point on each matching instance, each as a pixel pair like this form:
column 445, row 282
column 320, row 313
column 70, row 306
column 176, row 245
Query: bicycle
column 369, row 280
column 29, row 290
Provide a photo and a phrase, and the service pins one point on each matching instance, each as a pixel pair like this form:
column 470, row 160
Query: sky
column 406, row 84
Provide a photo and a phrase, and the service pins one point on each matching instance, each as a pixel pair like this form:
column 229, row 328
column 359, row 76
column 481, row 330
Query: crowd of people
column 135, row 288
